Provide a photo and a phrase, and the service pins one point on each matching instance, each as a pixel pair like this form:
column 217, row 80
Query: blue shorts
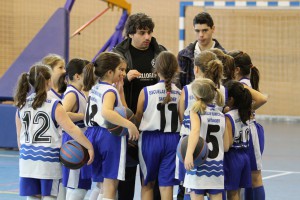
column 43, row 187
column 110, row 154
column 157, row 155
column 206, row 191
column 75, row 178
column 237, row 171
column 256, row 146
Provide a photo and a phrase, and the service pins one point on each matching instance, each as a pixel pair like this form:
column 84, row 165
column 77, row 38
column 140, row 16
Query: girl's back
column 158, row 116
column 41, row 141
column 210, row 174
column 93, row 116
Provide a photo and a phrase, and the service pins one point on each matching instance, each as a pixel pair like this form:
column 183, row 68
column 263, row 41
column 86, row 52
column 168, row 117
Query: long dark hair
column 37, row 77
column 242, row 99
column 166, row 64
column 243, row 61
column 104, row 62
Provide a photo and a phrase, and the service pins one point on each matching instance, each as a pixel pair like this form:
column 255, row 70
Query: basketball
column 119, row 130
column 200, row 153
column 73, row 155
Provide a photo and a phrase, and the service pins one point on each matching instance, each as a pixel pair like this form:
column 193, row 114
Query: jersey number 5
column 213, row 139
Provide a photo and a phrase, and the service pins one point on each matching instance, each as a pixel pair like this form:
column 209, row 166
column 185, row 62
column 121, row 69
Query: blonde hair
column 210, row 66
column 52, row 60
column 205, row 92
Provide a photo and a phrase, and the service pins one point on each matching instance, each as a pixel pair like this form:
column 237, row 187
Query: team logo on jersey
column 147, row 76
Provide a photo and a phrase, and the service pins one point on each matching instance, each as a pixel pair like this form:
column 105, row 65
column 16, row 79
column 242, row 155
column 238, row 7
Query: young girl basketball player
column 57, row 64
column 209, row 123
column 248, row 74
column 236, row 160
column 157, row 112
column 74, row 102
column 110, row 150
column 207, row 65
column 39, row 135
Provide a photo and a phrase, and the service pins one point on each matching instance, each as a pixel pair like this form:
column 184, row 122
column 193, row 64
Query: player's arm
column 258, row 98
column 228, row 136
column 18, row 127
column 65, row 122
column 140, row 107
column 110, row 115
column 181, row 106
column 193, row 140
column 70, row 104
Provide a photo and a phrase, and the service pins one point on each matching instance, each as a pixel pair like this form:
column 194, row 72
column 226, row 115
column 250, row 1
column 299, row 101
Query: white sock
column 100, row 196
column 61, row 192
column 94, row 193
column 49, row 198
column 107, row 199
column 32, row 198
column 75, row 194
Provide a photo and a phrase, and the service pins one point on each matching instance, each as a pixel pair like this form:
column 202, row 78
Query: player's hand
column 189, row 162
column 132, row 74
column 133, row 132
column 119, row 85
column 91, row 154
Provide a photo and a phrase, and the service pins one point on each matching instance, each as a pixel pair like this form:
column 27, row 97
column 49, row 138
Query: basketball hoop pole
column 88, row 23
column 111, row 3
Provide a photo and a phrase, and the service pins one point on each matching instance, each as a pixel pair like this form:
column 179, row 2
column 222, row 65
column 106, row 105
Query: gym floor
column 281, row 163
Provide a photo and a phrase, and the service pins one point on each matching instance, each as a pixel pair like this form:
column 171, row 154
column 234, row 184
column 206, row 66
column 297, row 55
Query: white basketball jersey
column 40, row 139
column 189, row 100
column 246, row 81
column 93, row 116
column 240, row 130
column 157, row 116
column 51, row 94
column 209, row 175
column 223, row 91
column 81, row 104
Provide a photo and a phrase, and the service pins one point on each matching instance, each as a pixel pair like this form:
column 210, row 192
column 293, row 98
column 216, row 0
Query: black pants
column 126, row 188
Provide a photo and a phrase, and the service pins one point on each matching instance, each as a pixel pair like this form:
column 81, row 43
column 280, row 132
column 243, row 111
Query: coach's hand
column 132, row 74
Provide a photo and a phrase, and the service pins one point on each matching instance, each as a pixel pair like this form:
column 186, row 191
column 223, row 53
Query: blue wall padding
column 8, row 134
column 52, row 38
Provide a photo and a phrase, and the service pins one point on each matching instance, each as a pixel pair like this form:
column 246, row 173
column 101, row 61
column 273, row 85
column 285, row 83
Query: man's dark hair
column 138, row 21
column 203, row 18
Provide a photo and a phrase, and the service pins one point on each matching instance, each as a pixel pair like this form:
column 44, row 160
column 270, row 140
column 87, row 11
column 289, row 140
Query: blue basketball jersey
column 51, row 94
column 93, row 116
column 209, row 175
column 157, row 116
column 240, row 131
column 40, row 139
column 81, row 104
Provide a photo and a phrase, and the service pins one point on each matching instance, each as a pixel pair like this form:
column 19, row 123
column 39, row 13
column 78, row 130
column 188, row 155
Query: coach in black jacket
column 140, row 50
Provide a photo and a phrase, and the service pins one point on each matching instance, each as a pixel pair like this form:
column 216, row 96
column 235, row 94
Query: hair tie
column 168, row 93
